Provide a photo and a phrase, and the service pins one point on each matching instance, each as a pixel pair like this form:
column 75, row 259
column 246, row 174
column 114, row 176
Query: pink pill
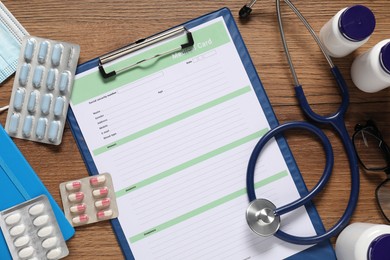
column 98, row 180
column 79, row 208
column 73, row 186
column 76, row 197
column 100, row 192
column 104, row 203
column 82, row 219
column 104, row 214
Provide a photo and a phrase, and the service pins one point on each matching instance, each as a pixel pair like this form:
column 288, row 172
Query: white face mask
column 11, row 35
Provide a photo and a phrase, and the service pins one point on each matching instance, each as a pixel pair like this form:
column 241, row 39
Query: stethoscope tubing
column 336, row 119
column 329, row 161
column 337, row 122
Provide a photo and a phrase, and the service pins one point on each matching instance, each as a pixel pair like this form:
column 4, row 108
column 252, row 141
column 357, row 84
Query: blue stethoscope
column 262, row 215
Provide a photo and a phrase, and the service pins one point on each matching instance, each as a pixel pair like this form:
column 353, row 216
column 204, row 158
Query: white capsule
column 13, row 219
column 41, row 220
column 49, row 243
column 73, row 186
column 26, row 252
column 82, row 219
column 21, row 241
column 104, row 214
column 104, row 203
column 79, row 208
column 98, row 193
column 45, row 231
column 97, row 180
column 36, row 209
column 76, row 197
column 17, row 230
column 54, row 253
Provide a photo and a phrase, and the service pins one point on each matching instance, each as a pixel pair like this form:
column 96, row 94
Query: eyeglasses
column 374, row 155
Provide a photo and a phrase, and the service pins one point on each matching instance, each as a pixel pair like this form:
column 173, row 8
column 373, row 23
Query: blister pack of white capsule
column 42, row 89
column 32, row 232
column 89, row 200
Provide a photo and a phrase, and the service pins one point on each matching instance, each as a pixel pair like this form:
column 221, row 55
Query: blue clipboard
column 19, row 183
column 323, row 250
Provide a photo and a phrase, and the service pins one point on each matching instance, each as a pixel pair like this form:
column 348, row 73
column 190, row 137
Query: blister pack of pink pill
column 42, row 89
column 31, row 231
column 89, row 200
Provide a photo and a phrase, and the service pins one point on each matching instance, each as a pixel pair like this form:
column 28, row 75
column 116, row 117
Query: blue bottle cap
column 385, row 57
column 357, row 23
column 379, row 248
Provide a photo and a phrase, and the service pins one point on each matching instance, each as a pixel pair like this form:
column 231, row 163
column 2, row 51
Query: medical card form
column 176, row 134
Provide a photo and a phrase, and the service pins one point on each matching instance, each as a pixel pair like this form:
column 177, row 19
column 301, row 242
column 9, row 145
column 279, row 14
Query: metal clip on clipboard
column 142, row 43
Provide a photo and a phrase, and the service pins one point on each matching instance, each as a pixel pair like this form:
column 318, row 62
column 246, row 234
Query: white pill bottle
column 370, row 71
column 363, row 241
column 349, row 29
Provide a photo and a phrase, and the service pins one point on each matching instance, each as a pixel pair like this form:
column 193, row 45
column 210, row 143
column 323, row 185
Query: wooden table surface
column 100, row 26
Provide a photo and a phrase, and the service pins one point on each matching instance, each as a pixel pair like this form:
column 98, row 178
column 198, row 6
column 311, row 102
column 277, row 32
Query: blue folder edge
column 322, row 250
column 19, row 181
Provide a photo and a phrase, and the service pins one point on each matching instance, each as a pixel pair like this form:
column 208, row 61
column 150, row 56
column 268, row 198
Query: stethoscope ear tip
column 244, row 12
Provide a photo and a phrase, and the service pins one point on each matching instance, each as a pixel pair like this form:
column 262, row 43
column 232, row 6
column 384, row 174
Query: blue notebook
column 319, row 251
column 19, row 183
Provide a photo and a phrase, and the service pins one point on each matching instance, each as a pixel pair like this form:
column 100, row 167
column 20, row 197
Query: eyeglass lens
column 383, row 197
column 368, row 148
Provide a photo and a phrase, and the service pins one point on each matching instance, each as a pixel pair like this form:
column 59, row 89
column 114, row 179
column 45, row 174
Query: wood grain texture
column 100, row 26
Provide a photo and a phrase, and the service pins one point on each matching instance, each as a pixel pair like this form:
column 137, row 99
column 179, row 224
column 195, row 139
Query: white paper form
column 176, row 135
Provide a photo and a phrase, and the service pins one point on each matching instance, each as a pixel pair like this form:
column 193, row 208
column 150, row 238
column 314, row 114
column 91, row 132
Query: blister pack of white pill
column 89, row 200
column 41, row 91
column 32, row 232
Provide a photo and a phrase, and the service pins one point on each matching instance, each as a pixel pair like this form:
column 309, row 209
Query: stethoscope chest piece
column 261, row 217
